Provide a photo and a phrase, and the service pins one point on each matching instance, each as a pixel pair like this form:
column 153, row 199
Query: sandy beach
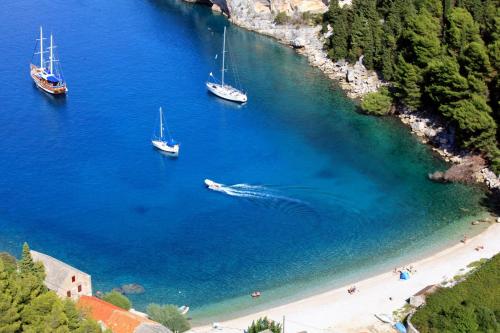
column 338, row 311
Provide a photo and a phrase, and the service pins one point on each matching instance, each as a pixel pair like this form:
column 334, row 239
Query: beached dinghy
column 48, row 76
column 224, row 90
column 167, row 145
column 184, row 309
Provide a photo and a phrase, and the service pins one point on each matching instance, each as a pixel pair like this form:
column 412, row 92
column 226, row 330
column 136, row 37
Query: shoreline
column 337, row 311
column 355, row 81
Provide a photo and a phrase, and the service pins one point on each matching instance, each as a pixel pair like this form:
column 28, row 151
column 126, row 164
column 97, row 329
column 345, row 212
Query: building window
column 80, row 288
column 68, row 293
column 73, row 278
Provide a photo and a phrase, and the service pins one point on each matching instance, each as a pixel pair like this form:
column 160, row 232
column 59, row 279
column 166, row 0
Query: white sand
column 337, row 311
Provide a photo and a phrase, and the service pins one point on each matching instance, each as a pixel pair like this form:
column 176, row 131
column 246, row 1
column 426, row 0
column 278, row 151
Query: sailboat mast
column 41, row 47
column 51, row 56
column 223, row 55
column 161, row 124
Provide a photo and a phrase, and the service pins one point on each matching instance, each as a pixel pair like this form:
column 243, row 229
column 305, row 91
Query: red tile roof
column 115, row 318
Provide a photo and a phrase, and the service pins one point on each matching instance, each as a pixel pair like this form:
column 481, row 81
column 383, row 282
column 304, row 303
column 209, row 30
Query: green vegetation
column 169, row 316
column 27, row 306
column 117, row 299
column 281, row 18
column 377, row 103
column 470, row 306
column 440, row 55
column 263, row 324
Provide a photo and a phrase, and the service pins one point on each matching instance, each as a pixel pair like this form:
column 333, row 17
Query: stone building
column 64, row 279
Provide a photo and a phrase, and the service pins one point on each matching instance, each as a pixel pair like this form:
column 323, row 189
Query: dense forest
column 470, row 306
column 27, row 306
column 441, row 56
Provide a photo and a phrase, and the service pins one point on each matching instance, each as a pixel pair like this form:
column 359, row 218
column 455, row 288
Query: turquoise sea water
column 328, row 194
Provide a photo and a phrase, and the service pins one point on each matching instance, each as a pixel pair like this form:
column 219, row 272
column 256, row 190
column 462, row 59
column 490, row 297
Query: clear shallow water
column 340, row 193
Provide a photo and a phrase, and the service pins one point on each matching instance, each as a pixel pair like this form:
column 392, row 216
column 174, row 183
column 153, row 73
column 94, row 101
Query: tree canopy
column 169, row 316
column 26, row 305
column 441, row 56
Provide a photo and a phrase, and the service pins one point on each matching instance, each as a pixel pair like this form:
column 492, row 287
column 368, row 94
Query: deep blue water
column 79, row 180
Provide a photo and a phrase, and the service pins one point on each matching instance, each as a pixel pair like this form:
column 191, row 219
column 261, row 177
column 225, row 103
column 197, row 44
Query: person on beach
column 464, row 240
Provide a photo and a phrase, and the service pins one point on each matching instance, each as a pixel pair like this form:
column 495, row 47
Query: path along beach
column 338, row 311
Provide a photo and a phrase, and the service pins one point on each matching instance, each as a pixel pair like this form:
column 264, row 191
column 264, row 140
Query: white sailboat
column 168, row 145
column 224, row 90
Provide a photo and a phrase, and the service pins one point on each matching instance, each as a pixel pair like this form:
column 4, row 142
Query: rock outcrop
column 468, row 171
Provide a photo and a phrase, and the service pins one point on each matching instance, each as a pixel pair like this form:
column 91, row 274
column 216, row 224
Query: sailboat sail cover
column 171, row 142
column 52, row 79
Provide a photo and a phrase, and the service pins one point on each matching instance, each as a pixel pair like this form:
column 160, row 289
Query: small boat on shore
column 223, row 90
column 212, row 185
column 48, row 76
column 184, row 309
column 167, row 145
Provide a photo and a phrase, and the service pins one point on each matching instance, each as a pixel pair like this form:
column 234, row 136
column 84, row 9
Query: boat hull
column 44, row 85
column 160, row 145
column 227, row 92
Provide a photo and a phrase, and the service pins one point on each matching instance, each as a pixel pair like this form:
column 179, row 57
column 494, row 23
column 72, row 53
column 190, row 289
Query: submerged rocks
column 128, row 289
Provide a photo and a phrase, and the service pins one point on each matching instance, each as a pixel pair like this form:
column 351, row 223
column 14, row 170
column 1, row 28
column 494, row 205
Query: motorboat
column 255, row 294
column 212, row 185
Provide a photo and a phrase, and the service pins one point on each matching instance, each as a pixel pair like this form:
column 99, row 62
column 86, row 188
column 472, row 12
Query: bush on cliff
column 281, row 18
column 117, row 299
column 470, row 306
column 377, row 103
column 169, row 316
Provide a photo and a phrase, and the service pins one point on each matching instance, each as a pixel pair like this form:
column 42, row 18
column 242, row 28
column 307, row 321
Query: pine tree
column 475, row 61
column 340, row 34
column 462, row 30
column 445, row 85
column 56, row 322
column 26, row 264
column 407, row 80
column 9, row 315
column 423, row 38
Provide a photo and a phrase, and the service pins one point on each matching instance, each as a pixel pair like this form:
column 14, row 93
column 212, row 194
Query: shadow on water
column 491, row 201
column 54, row 100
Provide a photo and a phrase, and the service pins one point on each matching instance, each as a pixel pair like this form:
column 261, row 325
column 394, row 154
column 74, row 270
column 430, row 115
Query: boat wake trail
column 267, row 197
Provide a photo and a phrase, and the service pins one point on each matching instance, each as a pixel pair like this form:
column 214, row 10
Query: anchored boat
column 48, row 76
column 224, row 90
column 168, row 144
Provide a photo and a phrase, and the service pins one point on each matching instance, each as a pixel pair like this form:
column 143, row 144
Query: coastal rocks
column 433, row 130
column 291, row 7
column 298, row 43
column 129, row 289
column 491, row 180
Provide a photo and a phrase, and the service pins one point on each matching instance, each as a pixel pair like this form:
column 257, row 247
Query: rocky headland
column 309, row 39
